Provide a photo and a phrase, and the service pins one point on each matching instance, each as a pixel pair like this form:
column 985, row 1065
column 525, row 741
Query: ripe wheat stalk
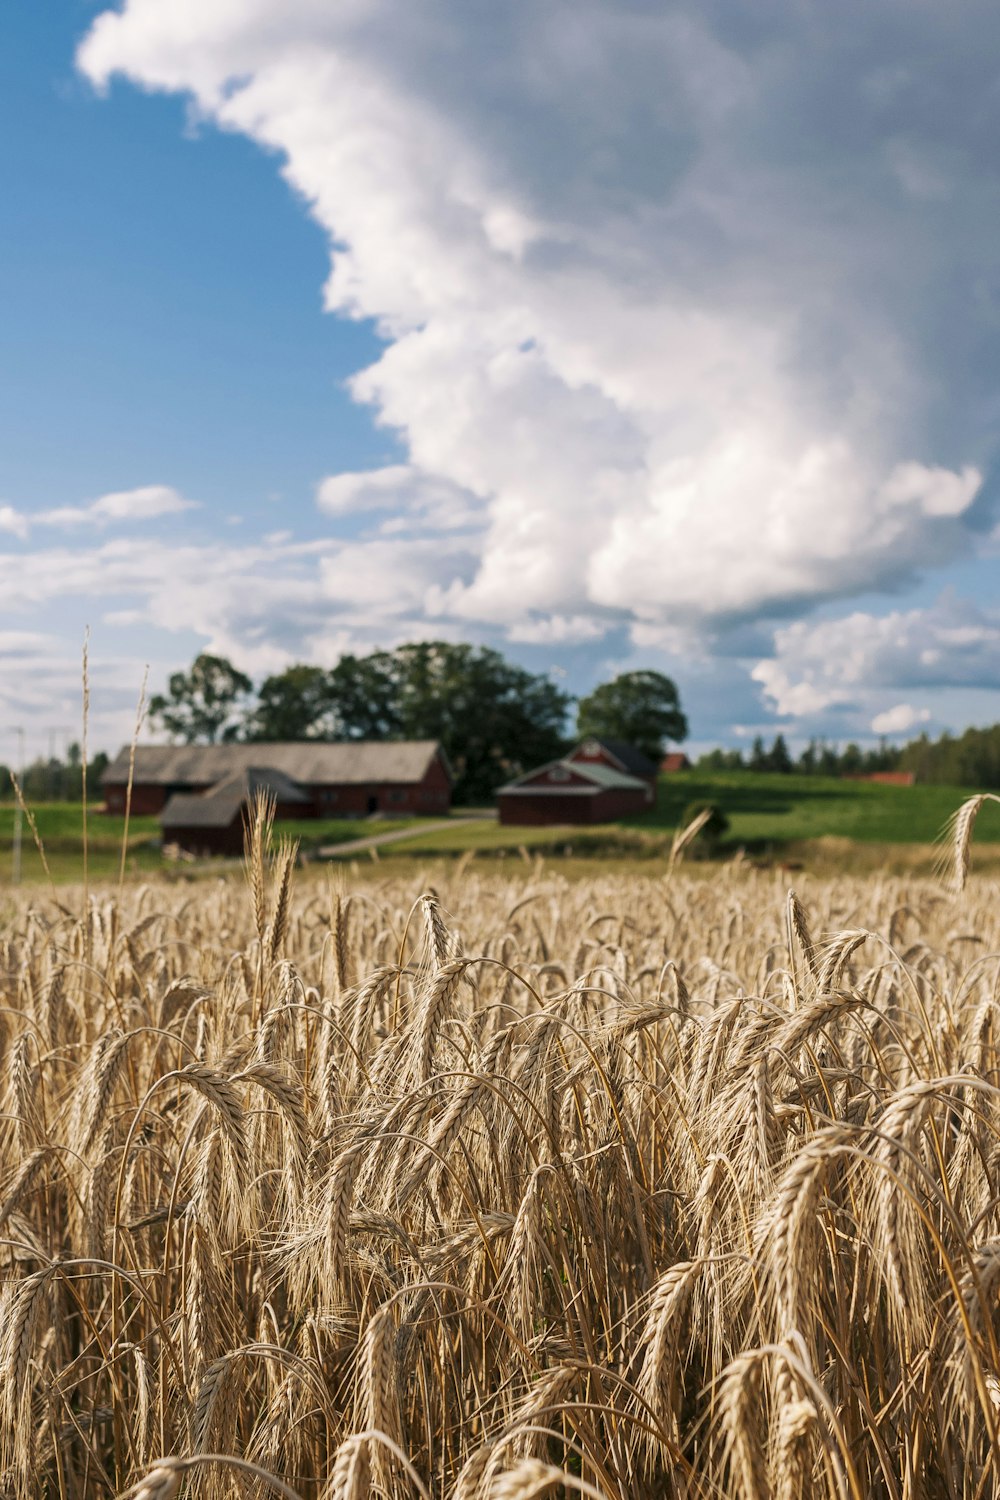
column 636, row 1189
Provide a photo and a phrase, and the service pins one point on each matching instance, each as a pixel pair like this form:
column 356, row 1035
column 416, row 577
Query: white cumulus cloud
column 415, row 499
column 13, row 521
column 657, row 285
column 142, row 504
column 859, row 657
column 146, row 503
column 558, row 630
column 900, row 719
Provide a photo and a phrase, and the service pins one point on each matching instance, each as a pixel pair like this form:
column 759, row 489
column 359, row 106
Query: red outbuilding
column 572, row 791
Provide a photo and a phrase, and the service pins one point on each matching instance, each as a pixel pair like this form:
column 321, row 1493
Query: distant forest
column 970, row 759
column 54, row 780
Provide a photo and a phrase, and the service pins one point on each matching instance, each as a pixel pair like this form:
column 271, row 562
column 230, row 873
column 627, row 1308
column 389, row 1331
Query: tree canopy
column 817, row 759
column 493, row 719
column 641, row 708
column 202, row 704
column 53, row 780
column 297, row 704
column 365, row 693
column 970, row 759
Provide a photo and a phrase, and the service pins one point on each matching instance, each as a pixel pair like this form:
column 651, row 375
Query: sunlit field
column 465, row 1184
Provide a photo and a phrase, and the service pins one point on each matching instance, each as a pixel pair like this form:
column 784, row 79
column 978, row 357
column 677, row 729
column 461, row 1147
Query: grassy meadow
column 824, row 824
column 60, row 831
column 488, row 1184
column 781, row 810
column 60, row 828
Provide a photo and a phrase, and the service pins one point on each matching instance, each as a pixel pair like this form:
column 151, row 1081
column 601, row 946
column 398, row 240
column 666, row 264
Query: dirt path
column 396, row 836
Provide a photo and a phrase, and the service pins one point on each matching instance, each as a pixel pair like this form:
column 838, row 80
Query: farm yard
column 824, row 824
column 677, row 1186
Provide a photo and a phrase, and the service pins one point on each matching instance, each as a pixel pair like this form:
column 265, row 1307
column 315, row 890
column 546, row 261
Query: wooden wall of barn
column 538, row 809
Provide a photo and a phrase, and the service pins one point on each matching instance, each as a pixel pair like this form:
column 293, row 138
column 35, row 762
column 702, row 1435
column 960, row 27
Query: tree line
column 494, row 719
column 54, row 780
column 818, row 758
column 970, row 759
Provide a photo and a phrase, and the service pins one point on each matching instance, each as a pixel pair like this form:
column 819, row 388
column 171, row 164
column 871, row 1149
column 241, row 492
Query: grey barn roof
column 601, row 777
column 312, row 763
column 634, row 761
column 217, row 808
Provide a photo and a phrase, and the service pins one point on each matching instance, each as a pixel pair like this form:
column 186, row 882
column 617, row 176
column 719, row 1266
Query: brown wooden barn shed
column 348, row 779
column 213, row 822
column 314, row 779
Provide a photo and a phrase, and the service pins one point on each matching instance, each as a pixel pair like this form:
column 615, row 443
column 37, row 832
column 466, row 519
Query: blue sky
column 162, row 297
column 609, row 333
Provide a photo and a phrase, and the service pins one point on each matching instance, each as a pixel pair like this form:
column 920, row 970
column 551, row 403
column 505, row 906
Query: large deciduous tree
column 202, row 704
column 364, row 692
column 641, row 708
column 297, row 704
column 493, row 718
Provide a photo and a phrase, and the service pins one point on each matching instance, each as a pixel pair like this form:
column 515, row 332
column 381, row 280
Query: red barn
column 313, row 779
column 568, row 791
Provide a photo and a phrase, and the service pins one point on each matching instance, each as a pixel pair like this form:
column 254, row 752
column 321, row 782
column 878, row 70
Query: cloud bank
column 675, row 338
column 843, row 662
column 147, row 503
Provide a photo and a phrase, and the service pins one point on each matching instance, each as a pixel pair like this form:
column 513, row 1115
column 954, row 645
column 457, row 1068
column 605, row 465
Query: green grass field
column 782, row 809
column 60, row 829
column 814, row 819
column 315, row 833
column 771, row 817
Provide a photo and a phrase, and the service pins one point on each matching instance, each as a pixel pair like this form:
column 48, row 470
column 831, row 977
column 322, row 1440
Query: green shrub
column 716, row 826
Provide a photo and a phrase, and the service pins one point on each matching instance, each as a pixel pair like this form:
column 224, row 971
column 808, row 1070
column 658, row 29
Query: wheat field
column 624, row 1187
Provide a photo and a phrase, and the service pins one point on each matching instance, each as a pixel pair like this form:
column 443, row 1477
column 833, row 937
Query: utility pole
column 15, row 874
column 52, row 730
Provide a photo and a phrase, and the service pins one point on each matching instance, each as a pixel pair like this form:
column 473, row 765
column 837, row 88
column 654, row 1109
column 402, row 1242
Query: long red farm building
column 201, row 792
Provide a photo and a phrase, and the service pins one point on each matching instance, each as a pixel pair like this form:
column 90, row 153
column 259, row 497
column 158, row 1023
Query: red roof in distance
column 676, row 760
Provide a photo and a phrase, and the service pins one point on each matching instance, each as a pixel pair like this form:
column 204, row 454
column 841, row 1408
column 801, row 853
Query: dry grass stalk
column 83, row 778
column 140, row 714
column 799, row 926
column 29, row 815
column 685, row 837
column 531, row 1479
column 739, row 1408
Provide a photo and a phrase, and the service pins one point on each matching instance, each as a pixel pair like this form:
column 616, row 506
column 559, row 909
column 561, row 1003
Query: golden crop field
column 625, row 1187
